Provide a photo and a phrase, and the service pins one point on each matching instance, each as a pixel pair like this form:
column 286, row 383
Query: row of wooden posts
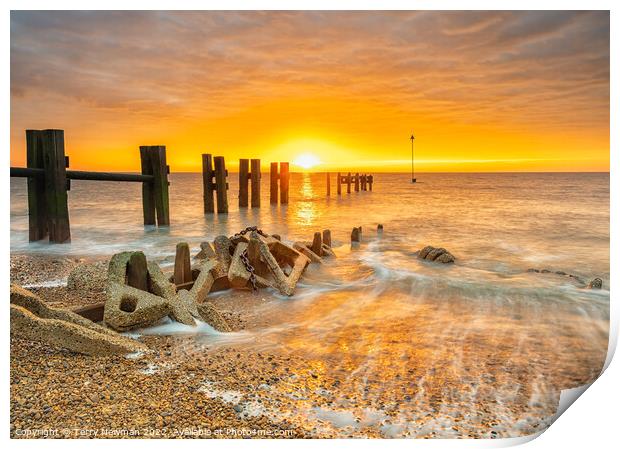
column 49, row 181
column 360, row 182
column 214, row 176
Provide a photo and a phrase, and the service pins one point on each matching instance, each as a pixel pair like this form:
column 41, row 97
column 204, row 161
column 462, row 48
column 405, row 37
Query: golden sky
column 482, row 91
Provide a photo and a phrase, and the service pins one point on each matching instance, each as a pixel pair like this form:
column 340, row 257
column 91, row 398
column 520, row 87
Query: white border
column 592, row 421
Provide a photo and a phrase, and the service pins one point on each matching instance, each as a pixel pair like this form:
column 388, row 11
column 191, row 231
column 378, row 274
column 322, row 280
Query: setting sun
column 306, row 161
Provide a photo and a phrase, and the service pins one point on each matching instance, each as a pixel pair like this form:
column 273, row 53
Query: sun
column 306, row 160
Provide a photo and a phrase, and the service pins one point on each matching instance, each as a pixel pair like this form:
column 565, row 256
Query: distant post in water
column 370, row 181
column 273, row 183
column 363, row 182
column 339, row 184
column 349, row 183
column 221, row 185
column 207, row 184
column 255, row 181
column 244, row 174
column 284, row 182
column 357, row 182
column 328, row 184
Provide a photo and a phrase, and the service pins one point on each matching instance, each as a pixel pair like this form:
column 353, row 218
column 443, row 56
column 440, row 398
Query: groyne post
column 155, row 193
column 273, row 183
column 328, row 184
column 349, row 183
column 284, row 182
column 55, row 182
column 221, row 186
column 339, row 184
column 255, row 182
column 357, row 182
column 207, row 184
column 370, row 181
column 37, row 209
column 244, row 175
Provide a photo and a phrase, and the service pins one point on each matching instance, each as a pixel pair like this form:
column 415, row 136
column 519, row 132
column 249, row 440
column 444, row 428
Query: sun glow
column 306, row 161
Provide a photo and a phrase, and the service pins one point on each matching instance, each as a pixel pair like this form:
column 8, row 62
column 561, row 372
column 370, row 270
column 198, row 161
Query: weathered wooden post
column 329, row 187
column 53, row 149
column 357, row 182
column 255, row 181
column 339, row 184
column 273, row 183
column 37, row 210
column 244, row 173
column 207, row 184
column 363, row 182
column 155, row 193
column 327, row 237
column 370, row 181
column 317, row 244
column 284, row 180
column 137, row 272
column 349, row 183
column 182, row 266
column 221, row 185
column 148, row 193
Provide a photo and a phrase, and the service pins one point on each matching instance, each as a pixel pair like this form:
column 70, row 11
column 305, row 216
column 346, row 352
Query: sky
column 481, row 91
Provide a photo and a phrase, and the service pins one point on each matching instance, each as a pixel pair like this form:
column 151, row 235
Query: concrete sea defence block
column 32, row 319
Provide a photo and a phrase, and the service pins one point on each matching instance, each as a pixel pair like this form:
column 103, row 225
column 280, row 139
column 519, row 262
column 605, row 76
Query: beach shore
column 188, row 387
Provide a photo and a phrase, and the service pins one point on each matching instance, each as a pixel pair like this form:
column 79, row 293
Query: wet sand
column 449, row 372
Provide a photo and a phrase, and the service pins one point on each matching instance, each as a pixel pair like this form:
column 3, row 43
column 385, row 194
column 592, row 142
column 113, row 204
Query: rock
column 88, row 277
column 327, row 251
column 533, row 270
column 356, row 235
column 34, row 320
column 596, row 284
column 206, row 252
column 545, row 271
column 440, row 255
column 210, row 315
column 379, row 228
column 277, row 237
column 327, row 238
column 127, row 307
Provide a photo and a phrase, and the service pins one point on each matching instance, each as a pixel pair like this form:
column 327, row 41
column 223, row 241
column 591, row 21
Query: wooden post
column 37, row 210
column 339, row 184
column 207, row 184
column 273, row 183
column 137, row 274
column 329, row 187
column 148, row 192
column 317, row 244
column 53, row 147
column 357, row 182
column 157, row 158
column 370, row 181
column 327, row 237
column 221, row 185
column 363, row 182
column 349, row 183
column 255, row 181
column 244, row 173
column 182, row 265
column 284, row 178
